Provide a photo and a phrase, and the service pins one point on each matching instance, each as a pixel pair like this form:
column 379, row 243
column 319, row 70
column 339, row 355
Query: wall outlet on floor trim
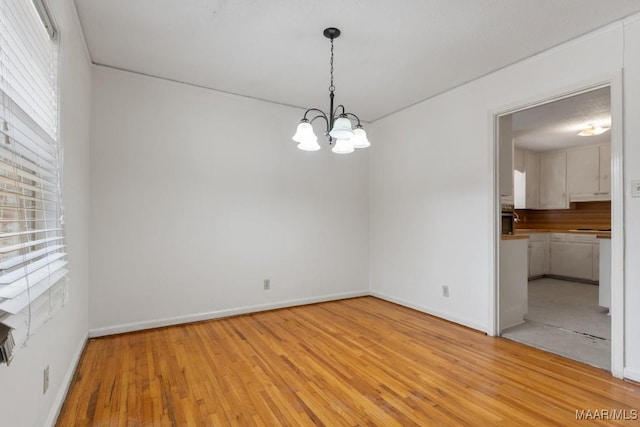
column 445, row 291
column 635, row 188
column 267, row 284
column 45, row 380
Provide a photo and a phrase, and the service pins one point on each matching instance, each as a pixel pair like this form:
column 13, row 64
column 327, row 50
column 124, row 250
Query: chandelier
column 339, row 133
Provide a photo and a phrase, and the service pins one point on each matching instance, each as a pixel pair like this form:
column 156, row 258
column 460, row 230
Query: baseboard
column 169, row 321
column 66, row 383
column 567, row 279
column 431, row 311
column 632, row 374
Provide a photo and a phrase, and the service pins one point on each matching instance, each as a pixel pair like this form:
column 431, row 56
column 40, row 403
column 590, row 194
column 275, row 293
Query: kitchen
column 555, row 247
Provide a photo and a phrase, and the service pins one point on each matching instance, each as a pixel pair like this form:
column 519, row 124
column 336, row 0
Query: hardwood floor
column 353, row 362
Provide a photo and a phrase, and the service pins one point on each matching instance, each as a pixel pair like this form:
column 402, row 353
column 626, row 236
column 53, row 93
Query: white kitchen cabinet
column 519, row 180
column 538, row 255
column 531, row 160
column 583, row 170
column 564, row 254
column 506, row 155
column 588, row 173
column 557, row 237
column 553, row 180
column 571, row 260
column 574, row 255
column 525, row 180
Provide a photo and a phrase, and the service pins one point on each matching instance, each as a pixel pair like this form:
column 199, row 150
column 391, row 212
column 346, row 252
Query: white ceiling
column 556, row 125
column 391, row 54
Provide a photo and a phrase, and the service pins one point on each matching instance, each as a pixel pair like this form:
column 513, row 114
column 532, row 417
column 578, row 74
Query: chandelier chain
column 332, row 87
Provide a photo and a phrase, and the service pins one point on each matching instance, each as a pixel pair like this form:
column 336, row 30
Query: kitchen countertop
column 527, row 231
column 513, row 236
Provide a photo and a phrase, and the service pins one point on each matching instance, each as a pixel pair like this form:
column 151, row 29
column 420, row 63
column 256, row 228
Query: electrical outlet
column 45, row 380
column 267, row 284
column 635, row 188
column 445, row 291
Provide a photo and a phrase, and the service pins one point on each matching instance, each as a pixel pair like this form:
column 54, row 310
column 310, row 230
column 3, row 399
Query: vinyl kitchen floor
column 564, row 318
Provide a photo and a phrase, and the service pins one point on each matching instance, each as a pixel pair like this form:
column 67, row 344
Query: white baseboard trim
column 66, row 383
column 431, row 311
column 158, row 323
column 632, row 374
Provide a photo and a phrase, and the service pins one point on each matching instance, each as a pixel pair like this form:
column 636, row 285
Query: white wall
column 432, row 181
column 197, row 196
column 59, row 342
column 632, row 205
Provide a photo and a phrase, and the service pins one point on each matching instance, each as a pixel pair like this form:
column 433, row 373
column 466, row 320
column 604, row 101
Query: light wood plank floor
column 360, row 361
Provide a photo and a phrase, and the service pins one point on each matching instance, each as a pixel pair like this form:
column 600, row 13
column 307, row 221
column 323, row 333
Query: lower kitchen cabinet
column 571, row 260
column 568, row 255
column 574, row 255
column 538, row 255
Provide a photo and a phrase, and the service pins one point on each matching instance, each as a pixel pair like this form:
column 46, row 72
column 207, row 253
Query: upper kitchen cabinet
column 562, row 151
column 553, row 180
column 505, row 140
column 531, row 165
column 588, row 173
column 525, row 179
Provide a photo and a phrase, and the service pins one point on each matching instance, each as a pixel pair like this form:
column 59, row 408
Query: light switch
column 635, row 188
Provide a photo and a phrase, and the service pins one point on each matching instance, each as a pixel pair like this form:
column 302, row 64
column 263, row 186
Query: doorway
column 564, row 191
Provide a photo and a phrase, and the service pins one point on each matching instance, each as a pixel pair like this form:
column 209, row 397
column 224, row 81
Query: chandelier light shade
column 343, row 146
column 309, row 145
column 339, row 131
column 304, row 132
column 593, row 130
column 308, row 141
column 359, row 139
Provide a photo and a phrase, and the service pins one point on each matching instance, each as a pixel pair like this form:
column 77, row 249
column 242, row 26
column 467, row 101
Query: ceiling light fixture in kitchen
column 339, row 132
column 593, row 130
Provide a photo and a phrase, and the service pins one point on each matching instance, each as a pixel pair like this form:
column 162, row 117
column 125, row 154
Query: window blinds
column 32, row 249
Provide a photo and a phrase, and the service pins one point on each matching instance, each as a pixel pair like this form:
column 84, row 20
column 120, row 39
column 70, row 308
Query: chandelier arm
column 356, row 117
column 305, row 132
column 321, row 116
column 335, row 112
column 314, row 109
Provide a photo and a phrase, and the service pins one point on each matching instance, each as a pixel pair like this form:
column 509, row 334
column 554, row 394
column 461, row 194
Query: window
column 32, row 257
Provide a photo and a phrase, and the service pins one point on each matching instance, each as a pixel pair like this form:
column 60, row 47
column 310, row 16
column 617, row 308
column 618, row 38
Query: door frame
column 614, row 81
